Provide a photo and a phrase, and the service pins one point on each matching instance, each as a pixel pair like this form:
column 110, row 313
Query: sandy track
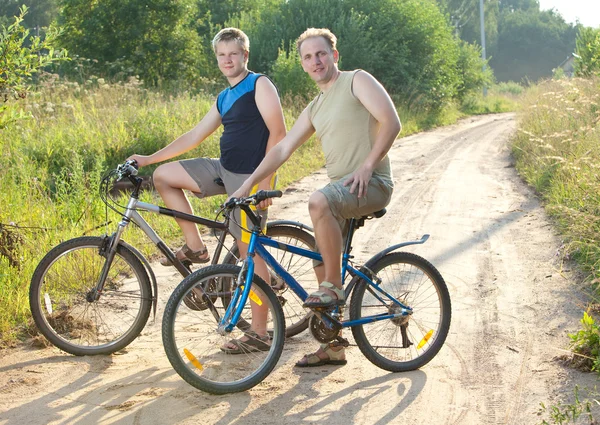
column 512, row 309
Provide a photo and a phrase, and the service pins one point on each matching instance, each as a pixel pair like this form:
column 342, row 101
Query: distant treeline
column 426, row 51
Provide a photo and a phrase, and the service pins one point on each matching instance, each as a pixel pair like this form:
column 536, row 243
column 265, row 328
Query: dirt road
column 512, row 309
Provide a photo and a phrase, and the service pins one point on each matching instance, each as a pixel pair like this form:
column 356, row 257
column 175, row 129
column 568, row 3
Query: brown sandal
column 333, row 357
column 189, row 256
column 325, row 299
column 255, row 343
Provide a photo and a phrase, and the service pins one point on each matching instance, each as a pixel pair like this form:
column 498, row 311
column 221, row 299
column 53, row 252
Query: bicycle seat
column 360, row 222
column 219, row 181
column 376, row 214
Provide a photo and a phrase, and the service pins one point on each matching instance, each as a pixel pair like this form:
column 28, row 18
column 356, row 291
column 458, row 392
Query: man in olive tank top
column 356, row 122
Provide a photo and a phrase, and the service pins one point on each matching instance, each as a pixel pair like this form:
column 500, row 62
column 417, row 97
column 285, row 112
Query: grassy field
column 51, row 165
column 557, row 151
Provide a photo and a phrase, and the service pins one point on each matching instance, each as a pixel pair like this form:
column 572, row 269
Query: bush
column 21, row 56
column 290, row 78
column 471, row 70
column 588, row 51
column 406, row 44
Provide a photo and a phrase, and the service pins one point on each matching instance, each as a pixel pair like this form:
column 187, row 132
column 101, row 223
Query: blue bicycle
column 399, row 311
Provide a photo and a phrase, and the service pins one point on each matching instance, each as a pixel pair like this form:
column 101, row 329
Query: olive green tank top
column 346, row 130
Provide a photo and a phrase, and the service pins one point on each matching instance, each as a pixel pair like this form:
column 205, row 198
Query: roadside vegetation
column 557, row 151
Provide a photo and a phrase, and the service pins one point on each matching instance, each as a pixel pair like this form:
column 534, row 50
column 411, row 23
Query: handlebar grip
column 133, row 163
column 130, row 167
column 261, row 195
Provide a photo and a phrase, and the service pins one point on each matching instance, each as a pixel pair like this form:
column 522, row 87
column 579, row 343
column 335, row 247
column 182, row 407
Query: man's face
column 318, row 60
column 231, row 58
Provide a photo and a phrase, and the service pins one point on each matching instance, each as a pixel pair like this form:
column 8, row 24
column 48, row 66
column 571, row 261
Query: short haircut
column 232, row 34
column 329, row 37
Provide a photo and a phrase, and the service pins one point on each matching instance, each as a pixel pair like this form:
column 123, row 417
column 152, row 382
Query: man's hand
column 142, row 160
column 263, row 205
column 242, row 192
column 359, row 180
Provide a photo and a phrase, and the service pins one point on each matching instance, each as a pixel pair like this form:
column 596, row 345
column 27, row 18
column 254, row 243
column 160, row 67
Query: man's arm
column 267, row 102
column 300, row 133
column 377, row 101
column 185, row 142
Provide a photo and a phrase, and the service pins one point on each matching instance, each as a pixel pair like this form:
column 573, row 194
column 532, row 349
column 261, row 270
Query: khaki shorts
column 345, row 205
column 204, row 171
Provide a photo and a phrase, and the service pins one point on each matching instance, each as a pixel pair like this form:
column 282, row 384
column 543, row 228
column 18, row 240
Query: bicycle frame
column 257, row 246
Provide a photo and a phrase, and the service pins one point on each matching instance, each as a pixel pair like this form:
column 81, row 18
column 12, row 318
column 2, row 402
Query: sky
column 587, row 11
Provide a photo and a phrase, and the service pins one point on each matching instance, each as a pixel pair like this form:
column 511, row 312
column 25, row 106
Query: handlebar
column 128, row 168
column 258, row 197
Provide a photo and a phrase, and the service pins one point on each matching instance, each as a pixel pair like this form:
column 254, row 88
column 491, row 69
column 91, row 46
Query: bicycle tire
column 296, row 316
column 417, row 283
column 193, row 344
column 61, row 311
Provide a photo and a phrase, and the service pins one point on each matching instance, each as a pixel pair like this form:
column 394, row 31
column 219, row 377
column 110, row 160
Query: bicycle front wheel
column 296, row 316
column 196, row 348
column 61, row 304
column 406, row 342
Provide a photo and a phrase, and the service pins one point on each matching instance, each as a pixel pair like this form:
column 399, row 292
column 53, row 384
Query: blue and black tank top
column 245, row 134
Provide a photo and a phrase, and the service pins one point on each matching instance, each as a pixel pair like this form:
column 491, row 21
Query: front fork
column 108, row 250
column 241, row 293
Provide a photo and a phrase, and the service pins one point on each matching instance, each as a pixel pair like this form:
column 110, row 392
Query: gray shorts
column 204, row 171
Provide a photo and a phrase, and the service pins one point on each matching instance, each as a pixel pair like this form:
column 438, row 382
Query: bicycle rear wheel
column 193, row 344
column 59, row 298
column 296, row 316
column 408, row 342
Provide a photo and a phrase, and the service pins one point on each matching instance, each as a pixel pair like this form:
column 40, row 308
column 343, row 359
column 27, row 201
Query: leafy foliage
column 531, row 44
column 586, row 341
column 523, row 42
column 588, row 50
column 564, row 413
column 40, row 14
column 408, row 45
column 290, row 78
column 152, row 39
column 19, row 62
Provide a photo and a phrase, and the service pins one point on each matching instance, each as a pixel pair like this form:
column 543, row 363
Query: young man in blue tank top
column 365, row 188
column 253, row 123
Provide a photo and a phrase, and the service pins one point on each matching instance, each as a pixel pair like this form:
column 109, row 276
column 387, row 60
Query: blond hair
column 329, row 37
column 232, row 34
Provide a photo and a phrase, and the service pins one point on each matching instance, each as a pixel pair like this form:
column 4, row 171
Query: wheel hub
column 394, row 308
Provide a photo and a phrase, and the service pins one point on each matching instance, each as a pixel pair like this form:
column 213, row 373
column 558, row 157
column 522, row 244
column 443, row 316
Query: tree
column 40, row 13
column 21, row 56
column 154, row 38
column 530, row 44
column 407, row 44
column 587, row 62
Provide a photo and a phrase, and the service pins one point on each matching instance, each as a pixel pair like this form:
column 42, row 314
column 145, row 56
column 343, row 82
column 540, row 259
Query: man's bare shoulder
column 264, row 83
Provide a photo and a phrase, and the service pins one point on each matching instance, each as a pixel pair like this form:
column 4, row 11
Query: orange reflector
column 425, row 339
column 192, row 359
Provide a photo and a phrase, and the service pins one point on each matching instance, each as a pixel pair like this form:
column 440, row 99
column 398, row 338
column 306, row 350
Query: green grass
column 557, row 151
column 51, row 166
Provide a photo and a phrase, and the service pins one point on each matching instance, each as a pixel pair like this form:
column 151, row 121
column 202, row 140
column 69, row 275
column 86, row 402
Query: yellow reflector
column 425, row 339
column 253, row 296
column 192, row 359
